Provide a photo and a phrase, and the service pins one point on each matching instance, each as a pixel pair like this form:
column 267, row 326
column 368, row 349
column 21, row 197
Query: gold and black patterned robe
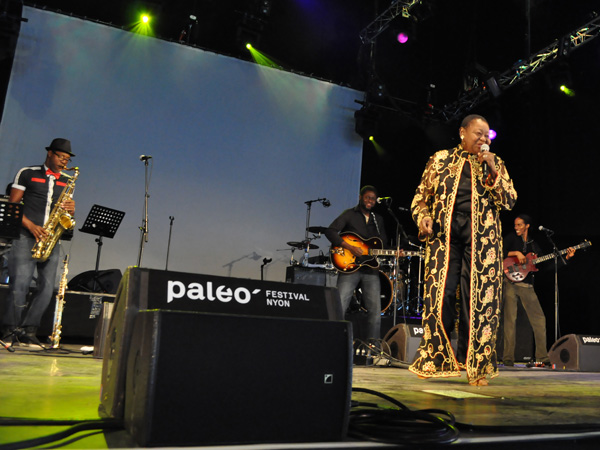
column 436, row 197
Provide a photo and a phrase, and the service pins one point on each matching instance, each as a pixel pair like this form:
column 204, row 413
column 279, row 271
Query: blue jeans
column 371, row 290
column 21, row 267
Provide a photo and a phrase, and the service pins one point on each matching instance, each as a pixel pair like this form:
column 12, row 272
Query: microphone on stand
column 384, row 199
column 145, row 157
column 485, row 168
column 326, row 203
column 547, row 230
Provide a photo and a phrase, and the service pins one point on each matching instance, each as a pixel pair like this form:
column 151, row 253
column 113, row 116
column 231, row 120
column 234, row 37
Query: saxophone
column 58, row 222
column 60, row 305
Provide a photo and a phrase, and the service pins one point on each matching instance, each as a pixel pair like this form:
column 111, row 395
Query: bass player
column 38, row 188
column 518, row 245
column 362, row 221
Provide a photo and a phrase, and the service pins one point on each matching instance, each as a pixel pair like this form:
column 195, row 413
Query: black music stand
column 11, row 216
column 102, row 222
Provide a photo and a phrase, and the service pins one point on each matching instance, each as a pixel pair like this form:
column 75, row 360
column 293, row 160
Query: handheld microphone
column 485, row 169
column 384, row 199
column 547, row 230
column 145, row 157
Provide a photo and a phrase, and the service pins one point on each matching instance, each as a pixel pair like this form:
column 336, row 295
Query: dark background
column 548, row 140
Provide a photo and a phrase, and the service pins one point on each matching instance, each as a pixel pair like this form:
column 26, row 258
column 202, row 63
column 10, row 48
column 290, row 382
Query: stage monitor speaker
column 576, row 352
column 151, row 289
column 205, row 379
column 403, row 341
column 107, row 281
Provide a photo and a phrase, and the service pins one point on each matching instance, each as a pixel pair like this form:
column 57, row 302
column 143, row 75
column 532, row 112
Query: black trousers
column 459, row 271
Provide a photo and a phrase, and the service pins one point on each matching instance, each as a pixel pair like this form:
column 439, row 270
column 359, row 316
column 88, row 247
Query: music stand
column 102, row 222
column 11, row 216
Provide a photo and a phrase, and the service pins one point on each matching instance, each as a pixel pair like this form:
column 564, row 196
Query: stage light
column 402, row 38
column 261, row 58
column 565, row 90
column 145, row 18
column 493, row 134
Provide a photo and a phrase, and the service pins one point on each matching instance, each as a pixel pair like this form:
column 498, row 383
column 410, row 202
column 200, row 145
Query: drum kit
column 400, row 277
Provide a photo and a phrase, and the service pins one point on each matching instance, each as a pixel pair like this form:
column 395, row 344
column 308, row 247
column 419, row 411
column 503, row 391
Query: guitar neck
column 561, row 252
column 380, row 252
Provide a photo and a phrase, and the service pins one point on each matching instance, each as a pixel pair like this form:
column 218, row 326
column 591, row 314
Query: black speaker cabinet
column 402, row 345
column 145, row 289
column 200, row 378
column 576, row 352
column 404, row 340
column 311, row 275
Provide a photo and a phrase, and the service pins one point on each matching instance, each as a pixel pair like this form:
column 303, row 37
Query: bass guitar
column 516, row 272
column 345, row 261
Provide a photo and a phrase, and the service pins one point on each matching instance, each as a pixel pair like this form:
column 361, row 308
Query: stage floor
column 522, row 406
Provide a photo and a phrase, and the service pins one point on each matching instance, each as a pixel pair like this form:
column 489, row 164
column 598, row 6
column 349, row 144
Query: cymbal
column 302, row 244
column 316, row 229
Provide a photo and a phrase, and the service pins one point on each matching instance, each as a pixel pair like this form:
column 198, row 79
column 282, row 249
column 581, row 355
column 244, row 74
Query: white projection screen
column 237, row 149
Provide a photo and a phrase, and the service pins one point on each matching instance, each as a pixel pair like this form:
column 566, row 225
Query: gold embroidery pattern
column 435, row 197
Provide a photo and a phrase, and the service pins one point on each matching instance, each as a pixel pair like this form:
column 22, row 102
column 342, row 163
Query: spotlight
column 145, row 18
column 402, row 37
column 366, row 122
column 491, row 84
column 493, row 134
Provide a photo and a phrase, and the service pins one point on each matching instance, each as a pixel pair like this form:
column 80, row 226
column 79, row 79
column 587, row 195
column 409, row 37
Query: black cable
column 400, row 426
column 78, row 427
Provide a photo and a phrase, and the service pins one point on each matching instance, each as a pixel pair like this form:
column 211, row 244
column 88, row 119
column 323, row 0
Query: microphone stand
column 144, row 227
column 399, row 235
column 557, row 255
column 308, row 207
column 171, row 219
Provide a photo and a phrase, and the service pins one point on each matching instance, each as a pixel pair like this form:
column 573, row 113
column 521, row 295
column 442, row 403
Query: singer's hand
column 426, row 226
column 489, row 159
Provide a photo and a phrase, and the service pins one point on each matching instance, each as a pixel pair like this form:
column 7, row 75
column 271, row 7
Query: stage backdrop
column 237, row 149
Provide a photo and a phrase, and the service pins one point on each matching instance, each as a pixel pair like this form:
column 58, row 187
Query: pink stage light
column 402, row 38
column 492, row 135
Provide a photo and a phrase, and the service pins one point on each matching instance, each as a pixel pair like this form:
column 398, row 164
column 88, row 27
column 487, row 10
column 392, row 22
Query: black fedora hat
column 61, row 145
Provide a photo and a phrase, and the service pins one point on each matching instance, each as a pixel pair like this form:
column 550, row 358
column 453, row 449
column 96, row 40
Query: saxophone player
column 38, row 188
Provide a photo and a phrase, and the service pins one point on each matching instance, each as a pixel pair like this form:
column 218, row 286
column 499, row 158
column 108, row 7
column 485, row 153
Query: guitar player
column 518, row 245
column 362, row 221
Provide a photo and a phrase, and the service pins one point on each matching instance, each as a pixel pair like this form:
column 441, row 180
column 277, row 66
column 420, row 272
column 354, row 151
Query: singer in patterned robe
column 457, row 209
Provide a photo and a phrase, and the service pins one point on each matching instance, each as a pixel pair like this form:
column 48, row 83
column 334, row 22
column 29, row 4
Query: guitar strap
column 376, row 224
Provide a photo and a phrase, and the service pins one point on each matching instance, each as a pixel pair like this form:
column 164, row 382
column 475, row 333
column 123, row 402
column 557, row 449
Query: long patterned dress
column 435, row 197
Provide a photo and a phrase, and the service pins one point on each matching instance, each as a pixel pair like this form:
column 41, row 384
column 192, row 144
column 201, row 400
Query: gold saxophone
column 58, row 222
column 60, row 306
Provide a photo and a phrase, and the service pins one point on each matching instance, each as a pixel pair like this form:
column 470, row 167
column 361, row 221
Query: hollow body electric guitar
column 345, row 261
column 516, row 272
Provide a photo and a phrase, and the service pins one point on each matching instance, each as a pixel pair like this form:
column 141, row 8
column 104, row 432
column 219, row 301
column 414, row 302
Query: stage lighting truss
column 523, row 69
column 378, row 26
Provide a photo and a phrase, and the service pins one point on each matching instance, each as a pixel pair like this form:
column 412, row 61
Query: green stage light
column 145, row 18
column 249, row 46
